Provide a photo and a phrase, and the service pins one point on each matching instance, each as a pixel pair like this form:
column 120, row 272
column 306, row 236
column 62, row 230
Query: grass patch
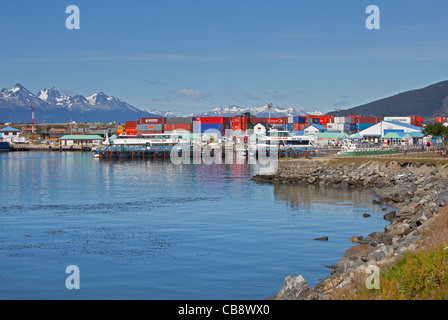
column 420, row 275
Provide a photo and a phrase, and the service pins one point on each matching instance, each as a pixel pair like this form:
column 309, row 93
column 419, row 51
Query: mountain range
column 260, row 111
column 428, row 102
column 53, row 107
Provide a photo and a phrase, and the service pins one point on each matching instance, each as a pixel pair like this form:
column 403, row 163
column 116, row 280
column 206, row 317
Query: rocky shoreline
column 416, row 192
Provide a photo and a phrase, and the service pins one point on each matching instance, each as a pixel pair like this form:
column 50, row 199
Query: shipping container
column 354, row 118
column 333, row 126
column 147, row 127
column 238, row 126
column 257, row 120
column 353, row 127
column 329, row 119
column 299, row 126
column 290, row 119
column 157, row 120
column 342, row 120
column 212, row 120
column 290, row 127
column 406, row 120
column 441, row 119
column 299, row 119
column 275, row 120
column 363, row 126
column 179, row 120
column 236, row 120
column 371, row 120
column 130, row 131
column 131, row 124
column 202, row 127
column 177, row 126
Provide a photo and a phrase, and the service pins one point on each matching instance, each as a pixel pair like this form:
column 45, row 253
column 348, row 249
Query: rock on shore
column 416, row 191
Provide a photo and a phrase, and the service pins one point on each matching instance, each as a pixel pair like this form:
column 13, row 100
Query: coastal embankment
column 411, row 193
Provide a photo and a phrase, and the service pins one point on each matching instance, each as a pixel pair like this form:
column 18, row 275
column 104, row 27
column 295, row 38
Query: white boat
column 149, row 143
column 283, row 140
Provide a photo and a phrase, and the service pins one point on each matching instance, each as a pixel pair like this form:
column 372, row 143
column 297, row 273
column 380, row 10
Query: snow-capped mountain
column 165, row 114
column 258, row 111
column 52, row 106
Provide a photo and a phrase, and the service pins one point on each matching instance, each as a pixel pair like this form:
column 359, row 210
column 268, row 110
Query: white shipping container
column 290, row 119
column 407, row 120
column 343, row 127
column 342, row 120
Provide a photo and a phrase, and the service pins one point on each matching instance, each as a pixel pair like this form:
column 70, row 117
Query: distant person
column 428, row 145
column 423, row 146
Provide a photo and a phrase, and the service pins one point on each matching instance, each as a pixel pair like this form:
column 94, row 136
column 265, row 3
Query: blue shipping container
column 208, row 126
column 364, row 126
column 298, row 119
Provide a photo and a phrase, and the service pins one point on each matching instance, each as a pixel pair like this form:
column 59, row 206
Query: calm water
column 153, row 230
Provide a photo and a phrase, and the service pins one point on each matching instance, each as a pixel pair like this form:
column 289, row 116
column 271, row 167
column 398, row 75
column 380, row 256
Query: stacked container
column 178, row 123
column 150, row 125
column 203, row 124
column 131, row 128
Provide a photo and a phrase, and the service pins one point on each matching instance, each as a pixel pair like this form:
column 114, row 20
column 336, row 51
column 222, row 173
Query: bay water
column 150, row 229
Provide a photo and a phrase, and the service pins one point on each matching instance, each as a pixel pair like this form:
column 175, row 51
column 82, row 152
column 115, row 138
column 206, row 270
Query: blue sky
column 191, row 56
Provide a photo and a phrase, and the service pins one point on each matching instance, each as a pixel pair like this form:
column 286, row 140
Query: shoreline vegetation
column 409, row 259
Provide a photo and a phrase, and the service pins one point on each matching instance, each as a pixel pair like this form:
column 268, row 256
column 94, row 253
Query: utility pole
column 32, row 120
column 269, row 107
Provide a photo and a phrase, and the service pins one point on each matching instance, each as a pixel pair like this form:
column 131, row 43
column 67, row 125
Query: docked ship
column 149, row 144
column 276, row 140
column 4, row 146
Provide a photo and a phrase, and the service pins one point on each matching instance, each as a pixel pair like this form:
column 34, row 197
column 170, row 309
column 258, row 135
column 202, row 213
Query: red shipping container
column 131, row 124
column 151, row 120
column 257, row 120
column 369, row 119
column 211, row 120
column 330, row 119
column 238, row 126
column 299, row 126
column 274, row 120
column 236, row 120
column 179, row 126
column 131, row 131
column 441, row 119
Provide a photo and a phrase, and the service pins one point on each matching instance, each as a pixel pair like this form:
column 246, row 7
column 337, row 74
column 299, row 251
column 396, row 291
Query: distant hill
column 431, row 101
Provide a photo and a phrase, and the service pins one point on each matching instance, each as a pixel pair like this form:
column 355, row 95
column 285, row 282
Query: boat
column 4, row 146
column 150, row 144
column 350, row 148
column 282, row 140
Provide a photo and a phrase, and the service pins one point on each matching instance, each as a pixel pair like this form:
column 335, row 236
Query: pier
column 44, row 147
